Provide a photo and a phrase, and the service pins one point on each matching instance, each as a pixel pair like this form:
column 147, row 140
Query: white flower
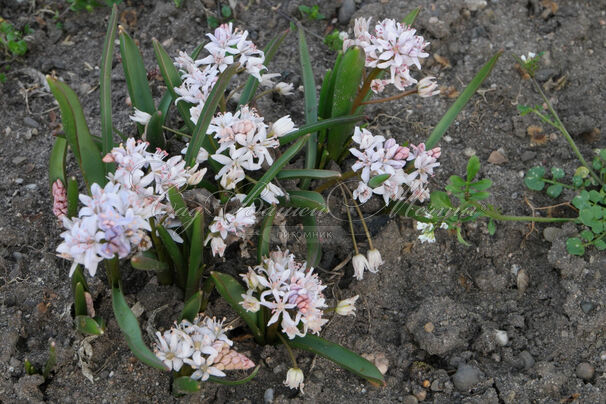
column 360, row 263
column 347, row 307
column 173, row 348
column 294, row 379
column 140, row 117
column 526, row 59
column 374, row 260
column 203, row 367
column 363, row 192
column 283, row 88
column 282, row 126
column 270, row 193
column 427, row 87
column 249, row 302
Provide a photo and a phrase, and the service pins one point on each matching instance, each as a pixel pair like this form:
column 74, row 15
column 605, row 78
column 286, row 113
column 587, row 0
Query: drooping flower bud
column 374, row 260
column 427, row 87
column 140, row 117
column 294, row 379
column 347, row 307
column 360, row 263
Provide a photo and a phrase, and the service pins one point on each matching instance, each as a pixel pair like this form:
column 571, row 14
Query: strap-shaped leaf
column 78, row 277
column 311, row 200
column 199, row 137
column 175, row 254
column 314, row 127
column 191, row 307
column 135, row 74
column 56, row 162
column 130, row 328
column 231, row 290
column 180, row 208
column 410, row 17
column 77, row 134
column 311, row 104
column 341, row 356
column 347, row 81
column 164, row 105
column 172, row 79
column 195, row 268
column 328, row 89
column 312, row 240
column 88, row 325
column 273, row 170
column 145, row 263
column 72, row 197
column 307, row 173
column 265, row 234
column 461, row 101
column 154, row 132
column 79, row 300
column 105, row 86
column 186, row 384
column 252, row 83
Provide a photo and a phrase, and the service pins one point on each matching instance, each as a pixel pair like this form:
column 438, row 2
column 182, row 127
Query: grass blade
column 130, row 328
column 461, row 101
column 105, row 86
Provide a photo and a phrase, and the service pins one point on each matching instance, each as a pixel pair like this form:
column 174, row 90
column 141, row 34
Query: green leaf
column 130, row 328
column 557, row 173
column 56, row 162
column 180, row 208
column 225, row 11
column 172, row 79
column 410, row 17
column 326, row 123
column 252, row 83
column 191, row 307
column 154, row 132
column 271, row 173
column 440, row 200
column 478, row 196
column 144, row 263
column 175, row 254
column 265, row 234
column 196, row 248
column 341, row 356
column 312, row 240
column 178, row 3
column 308, row 200
column 105, row 86
column 78, row 277
column 186, row 384
column 347, row 81
column 554, row 190
column 72, row 197
column 481, row 185
column 325, row 103
column 199, row 136
column 587, row 235
column 50, row 362
column 135, row 74
column 534, row 178
column 457, row 181
column 492, row 227
column 248, row 378
column 311, row 103
column 473, row 166
column 577, row 181
column 307, row 173
column 600, row 245
column 87, row 325
column 231, row 290
column 79, row 300
column 77, row 133
column 574, row 246
column 460, row 102
column 377, row 180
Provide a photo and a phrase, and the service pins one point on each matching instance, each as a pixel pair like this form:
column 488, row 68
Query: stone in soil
column 466, row 377
column 585, row 371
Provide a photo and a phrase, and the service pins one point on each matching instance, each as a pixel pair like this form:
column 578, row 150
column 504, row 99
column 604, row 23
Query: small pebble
column 429, row 327
column 527, row 361
column 551, row 234
column 497, row 157
column 268, row 396
column 30, row 122
column 585, row 371
column 501, row 337
column 31, row 187
column 586, row 307
column 18, row 160
column 469, row 152
column 410, row 399
column 346, row 11
column 528, row 155
column 447, row 139
column 475, row 5
column 466, row 377
column 19, row 181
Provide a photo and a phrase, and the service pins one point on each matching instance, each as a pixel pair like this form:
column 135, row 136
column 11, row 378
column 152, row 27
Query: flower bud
column 374, row 260
column 402, row 153
column 359, row 263
column 140, row 117
column 283, row 88
column 347, row 307
column 294, row 378
column 282, row 126
column 427, row 87
column 196, row 177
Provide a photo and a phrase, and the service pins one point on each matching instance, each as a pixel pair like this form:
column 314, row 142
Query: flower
column 374, row 260
column 294, row 379
column 202, row 366
column 283, row 88
column 282, row 126
column 360, row 263
column 347, row 307
column 427, row 87
column 140, row 117
column 249, row 302
column 526, row 59
column 173, row 348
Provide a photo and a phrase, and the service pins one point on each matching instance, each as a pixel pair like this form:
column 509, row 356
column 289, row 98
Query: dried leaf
column 537, row 137
column 450, row 91
column 442, row 60
column 522, row 281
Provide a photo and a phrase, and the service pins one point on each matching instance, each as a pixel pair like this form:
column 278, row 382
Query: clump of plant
column 135, row 207
column 12, row 39
column 311, row 13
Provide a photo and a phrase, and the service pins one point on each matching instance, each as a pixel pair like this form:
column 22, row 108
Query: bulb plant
column 129, row 205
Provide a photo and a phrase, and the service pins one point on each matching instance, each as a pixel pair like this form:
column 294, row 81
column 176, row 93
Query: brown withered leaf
column 523, row 74
column 128, row 17
column 442, row 60
column 537, row 136
column 591, row 136
column 450, row 92
column 555, row 83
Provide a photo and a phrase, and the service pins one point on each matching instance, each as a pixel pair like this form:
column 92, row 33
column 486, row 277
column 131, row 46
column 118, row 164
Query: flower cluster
column 114, row 219
column 290, row 290
column 226, row 47
column 394, row 47
column 428, row 231
column 201, row 344
column 377, row 156
column 248, row 141
column 59, row 199
column 227, row 228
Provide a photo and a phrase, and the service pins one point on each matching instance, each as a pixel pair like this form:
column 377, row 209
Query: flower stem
column 324, row 186
column 176, row 132
column 351, row 229
column 365, row 88
column 497, row 216
column 361, row 216
column 289, row 349
column 392, row 98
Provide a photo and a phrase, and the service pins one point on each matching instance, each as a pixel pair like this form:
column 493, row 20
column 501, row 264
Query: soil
column 432, row 310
